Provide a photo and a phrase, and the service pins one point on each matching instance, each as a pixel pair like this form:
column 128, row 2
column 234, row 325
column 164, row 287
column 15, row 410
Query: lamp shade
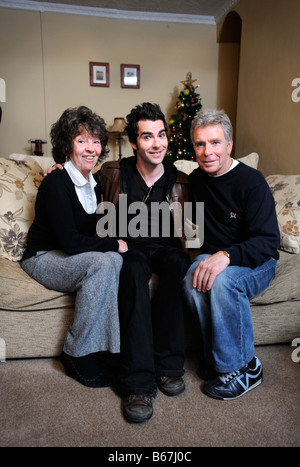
column 118, row 126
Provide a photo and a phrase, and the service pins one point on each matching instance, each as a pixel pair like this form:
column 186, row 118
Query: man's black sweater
column 239, row 215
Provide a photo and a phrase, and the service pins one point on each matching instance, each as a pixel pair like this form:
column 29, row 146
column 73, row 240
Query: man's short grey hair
column 212, row 117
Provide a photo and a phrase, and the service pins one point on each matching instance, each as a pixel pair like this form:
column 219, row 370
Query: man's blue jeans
column 224, row 313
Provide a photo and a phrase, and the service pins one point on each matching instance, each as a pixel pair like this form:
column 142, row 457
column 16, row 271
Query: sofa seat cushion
column 285, row 286
column 19, row 292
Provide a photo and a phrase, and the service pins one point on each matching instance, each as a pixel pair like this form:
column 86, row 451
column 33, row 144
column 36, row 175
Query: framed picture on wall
column 130, row 76
column 99, row 74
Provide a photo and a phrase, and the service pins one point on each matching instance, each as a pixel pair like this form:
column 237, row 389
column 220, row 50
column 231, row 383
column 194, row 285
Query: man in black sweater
column 237, row 261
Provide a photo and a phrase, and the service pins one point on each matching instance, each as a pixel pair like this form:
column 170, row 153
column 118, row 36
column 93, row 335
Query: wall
column 229, row 39
column 44, row 59
column 268, row 121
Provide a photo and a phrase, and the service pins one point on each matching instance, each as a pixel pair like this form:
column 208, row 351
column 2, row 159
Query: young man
column 152, row 347
column 238, row 257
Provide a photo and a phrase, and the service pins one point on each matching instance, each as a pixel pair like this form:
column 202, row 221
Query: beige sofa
column 34, row 320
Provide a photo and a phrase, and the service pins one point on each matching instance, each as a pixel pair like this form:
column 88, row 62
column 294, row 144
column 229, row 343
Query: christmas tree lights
column 188, row 104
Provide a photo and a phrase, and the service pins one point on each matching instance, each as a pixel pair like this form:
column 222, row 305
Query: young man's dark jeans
column 152, row 334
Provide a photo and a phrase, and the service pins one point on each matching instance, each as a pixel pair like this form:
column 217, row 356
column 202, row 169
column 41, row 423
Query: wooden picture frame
column 130, row 76
column 99, row 74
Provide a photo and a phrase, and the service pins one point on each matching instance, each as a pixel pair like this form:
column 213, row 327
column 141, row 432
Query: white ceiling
column 206, row 11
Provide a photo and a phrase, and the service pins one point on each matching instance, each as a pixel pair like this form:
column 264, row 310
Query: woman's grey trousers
column 94, row 277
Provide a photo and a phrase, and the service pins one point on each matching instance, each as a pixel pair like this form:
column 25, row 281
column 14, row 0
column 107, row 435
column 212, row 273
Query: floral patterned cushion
column 286, row 191
column 19, row 181
column 44, row 161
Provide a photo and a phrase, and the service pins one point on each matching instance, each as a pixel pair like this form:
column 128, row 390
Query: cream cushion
column 19, row 181
column 43, row 161
column 186, row 166
column 34, row 296
column 251, row 160
column 286, row 192
column 285, row 287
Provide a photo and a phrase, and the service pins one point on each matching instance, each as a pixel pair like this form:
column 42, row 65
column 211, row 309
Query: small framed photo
column 99, row 74
column 130, row 76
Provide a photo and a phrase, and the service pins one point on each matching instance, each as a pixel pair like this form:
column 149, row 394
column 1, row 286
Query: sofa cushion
column 251, row 160
column 19, row 292
column 285, row 286
column 43, row 161
column 286, row 192
column 19, row 181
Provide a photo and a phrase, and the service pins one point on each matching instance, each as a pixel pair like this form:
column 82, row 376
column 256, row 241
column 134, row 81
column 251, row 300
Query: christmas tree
column 188, row 104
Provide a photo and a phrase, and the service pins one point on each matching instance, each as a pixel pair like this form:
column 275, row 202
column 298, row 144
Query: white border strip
column 107, row 13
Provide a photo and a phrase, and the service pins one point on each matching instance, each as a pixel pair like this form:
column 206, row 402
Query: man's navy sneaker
column 229, row 386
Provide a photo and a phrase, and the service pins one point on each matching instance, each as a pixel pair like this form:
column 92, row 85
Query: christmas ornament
column 188, row 83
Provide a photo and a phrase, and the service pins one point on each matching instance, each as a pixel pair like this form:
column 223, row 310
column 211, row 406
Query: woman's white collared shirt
column 85, row 189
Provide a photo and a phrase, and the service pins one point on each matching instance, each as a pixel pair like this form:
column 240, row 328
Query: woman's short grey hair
column 213, row 117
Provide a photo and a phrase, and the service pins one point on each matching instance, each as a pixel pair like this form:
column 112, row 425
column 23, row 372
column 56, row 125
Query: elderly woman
column 64, row 253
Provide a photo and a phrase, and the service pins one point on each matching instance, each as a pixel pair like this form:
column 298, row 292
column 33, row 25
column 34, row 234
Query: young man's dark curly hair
column 145, row 111
column 71, row 123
